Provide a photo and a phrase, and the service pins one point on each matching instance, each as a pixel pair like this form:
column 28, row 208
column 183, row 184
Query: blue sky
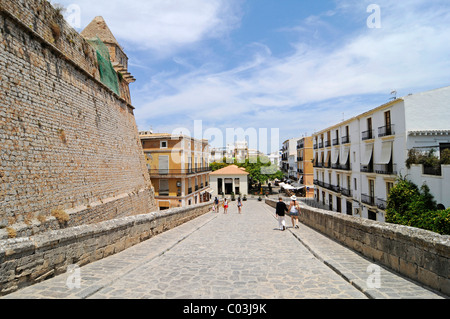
column 293, row 65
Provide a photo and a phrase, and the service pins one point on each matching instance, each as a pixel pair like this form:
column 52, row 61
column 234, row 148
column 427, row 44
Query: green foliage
column 259, row 168
column 216, row 166
column 428, row 159
column 410, row 206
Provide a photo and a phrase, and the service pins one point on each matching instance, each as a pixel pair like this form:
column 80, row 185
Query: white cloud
column 410, row 51
column 162, row 25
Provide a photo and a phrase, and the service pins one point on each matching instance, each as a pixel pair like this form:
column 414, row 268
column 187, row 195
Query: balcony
column 386, row 131
column 366, row 168
column 345, row 139
column 381, row 203
column 367, row 135
column 386, row 169
column 327, row 143
column 367, row 199
column 187, row 171
column 342, row 167
column 335, row 188
column 335, row 141
column 320, row 145
column 346, row 192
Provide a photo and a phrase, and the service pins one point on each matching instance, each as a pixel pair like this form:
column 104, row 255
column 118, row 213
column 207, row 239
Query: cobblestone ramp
column 231, row 256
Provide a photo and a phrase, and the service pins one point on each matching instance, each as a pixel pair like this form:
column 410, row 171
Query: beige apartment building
column 178, row 167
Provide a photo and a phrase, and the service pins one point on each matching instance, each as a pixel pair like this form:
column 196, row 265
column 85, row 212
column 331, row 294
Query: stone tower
column 99, row 28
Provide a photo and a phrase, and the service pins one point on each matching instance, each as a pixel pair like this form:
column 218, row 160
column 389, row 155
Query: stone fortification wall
column 26, row 261
column 70, row 152
column 417, row 254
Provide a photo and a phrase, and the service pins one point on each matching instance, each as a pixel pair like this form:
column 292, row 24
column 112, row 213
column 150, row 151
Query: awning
column 386, row 153
column 328, row 156
column 367, row 155
column 335, row 158
column 346, row 155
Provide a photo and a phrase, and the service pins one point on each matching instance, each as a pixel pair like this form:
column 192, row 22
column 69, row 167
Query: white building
column 230, row 179
column 275, row 159
column 357, row 161
column 289, row 157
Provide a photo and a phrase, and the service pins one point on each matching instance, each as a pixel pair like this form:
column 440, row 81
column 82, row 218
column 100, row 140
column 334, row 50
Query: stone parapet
column 418, row 254
column 26, row 261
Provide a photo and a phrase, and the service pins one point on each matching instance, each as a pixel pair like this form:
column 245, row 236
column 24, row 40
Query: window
column 163, row 187
column 163, row 144
column 389, row 186
column 356, row 184
column 163, row 164
column 371, row 188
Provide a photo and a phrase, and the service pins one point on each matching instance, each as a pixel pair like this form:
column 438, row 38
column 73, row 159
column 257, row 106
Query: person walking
column 294, row 211
column 216, row 204
column 239, row 205
column 281, row 210
column 225, row 206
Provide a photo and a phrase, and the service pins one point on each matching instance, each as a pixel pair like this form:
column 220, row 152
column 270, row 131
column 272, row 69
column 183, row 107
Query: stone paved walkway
column 231, row 256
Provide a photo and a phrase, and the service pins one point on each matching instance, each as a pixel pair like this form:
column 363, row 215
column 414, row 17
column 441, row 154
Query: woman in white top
column 294, row 211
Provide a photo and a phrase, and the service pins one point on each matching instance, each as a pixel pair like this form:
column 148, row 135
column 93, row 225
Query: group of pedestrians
column 225, row 205
column 293, row 211
column 281, row 210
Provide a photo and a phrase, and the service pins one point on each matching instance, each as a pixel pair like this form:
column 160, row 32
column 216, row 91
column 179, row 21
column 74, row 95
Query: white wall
column 439, row 185
column 428, row 110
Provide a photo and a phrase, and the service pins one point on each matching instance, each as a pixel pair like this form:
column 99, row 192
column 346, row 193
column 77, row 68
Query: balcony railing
column 345, row 139
column 335, row 188
column 346, row 192
column 381, row 203
column 327, row 143
column 187, row 171
column 386, row 169
column 321, row 145
column 335, row 141
column 367, row 135
column 366, row 168
column 344, row 167
column 367, row 199
column 386, row 131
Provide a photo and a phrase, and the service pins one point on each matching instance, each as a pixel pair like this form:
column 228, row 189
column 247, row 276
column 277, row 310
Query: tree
column 412, row 206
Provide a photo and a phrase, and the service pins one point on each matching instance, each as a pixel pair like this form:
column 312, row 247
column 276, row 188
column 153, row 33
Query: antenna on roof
column 394, row 93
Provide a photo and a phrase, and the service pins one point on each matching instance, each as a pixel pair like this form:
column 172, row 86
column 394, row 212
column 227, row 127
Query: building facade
column 228, row 180
column 358, row 161
column 178, row 167
column 289, row 158
column 305, row 169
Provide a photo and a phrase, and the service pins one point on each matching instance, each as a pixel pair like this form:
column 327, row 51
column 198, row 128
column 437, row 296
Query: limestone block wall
column 26, row 261
column 421, row 255
column 68, row 144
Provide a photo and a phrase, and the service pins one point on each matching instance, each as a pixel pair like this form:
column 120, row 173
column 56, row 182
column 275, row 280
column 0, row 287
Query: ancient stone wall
column 421, row 255
column 26, row 261
column 69, row 146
